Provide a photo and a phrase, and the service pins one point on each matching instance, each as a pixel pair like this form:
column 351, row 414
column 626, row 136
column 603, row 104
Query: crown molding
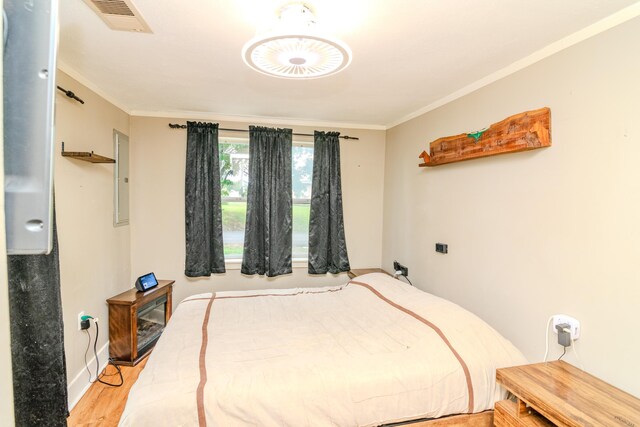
column 594, row 29
column 74, row 74
column 279, row 121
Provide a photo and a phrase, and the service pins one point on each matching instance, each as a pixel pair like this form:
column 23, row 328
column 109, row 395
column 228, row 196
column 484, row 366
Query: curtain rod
column 177, row 126
column 70, row 94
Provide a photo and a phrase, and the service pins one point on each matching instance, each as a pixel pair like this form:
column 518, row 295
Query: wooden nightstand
column 355, row 272
column 136, row 321
column 557, row 393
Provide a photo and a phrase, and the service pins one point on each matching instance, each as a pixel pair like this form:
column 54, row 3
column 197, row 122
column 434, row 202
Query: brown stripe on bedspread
column 266, row 295
column 435, row 328
column 202, row 419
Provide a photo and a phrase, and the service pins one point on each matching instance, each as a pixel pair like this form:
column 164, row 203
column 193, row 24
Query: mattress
column 369, row 352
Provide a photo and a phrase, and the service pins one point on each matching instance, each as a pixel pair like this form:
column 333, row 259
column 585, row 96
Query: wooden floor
column 103, row 405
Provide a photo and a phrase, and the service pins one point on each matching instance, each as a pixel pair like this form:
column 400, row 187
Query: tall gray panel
column 29, row 95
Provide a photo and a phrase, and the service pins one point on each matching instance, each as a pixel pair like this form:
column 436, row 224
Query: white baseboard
column 80, row 383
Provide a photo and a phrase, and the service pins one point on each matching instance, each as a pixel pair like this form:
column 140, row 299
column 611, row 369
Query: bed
column 371, row 352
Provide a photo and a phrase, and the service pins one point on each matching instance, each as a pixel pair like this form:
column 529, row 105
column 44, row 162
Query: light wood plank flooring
column 102, row 406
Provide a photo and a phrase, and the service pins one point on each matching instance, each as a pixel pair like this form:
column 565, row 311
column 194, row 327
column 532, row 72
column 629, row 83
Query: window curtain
column 202, row 206
column 267, row 237
column 37, row 341
column 327, row 246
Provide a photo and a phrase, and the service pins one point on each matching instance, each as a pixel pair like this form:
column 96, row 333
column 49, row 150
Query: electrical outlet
column 574, row 324
column 80, row 320
column 399, row 267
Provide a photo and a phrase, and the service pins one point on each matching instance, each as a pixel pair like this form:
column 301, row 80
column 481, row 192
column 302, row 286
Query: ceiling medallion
column 295, row 48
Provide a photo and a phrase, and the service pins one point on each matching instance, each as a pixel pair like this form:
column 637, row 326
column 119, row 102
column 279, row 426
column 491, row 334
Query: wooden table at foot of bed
column 559, row 394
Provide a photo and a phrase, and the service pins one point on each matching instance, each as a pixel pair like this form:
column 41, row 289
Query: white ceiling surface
column 407, row 54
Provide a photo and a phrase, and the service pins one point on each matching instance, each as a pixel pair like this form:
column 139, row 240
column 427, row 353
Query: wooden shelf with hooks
column 86, row 156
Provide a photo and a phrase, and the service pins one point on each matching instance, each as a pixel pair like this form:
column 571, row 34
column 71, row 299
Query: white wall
column 157, row 207
column 532, row 234
column 94, row 255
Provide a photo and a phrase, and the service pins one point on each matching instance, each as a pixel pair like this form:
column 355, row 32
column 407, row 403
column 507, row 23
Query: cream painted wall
column 532, row 234
column 157, row 207
column 94, row 255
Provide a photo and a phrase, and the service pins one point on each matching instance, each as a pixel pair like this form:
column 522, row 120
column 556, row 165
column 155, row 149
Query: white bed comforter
column 370, row 352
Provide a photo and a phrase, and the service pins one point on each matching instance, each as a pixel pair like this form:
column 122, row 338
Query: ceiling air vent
column 119, row 15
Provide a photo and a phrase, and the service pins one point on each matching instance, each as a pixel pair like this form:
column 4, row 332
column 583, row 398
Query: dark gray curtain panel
column 202, row 205
column 327, row 245
column 267, row 236
column 37, row 341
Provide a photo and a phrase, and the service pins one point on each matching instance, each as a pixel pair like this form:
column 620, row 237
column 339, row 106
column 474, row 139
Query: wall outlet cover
column 574, row 324
column 399, row 267
column 443, row 248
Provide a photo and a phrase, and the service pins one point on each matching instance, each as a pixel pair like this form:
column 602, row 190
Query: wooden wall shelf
column 86, row 156
column 521, row 132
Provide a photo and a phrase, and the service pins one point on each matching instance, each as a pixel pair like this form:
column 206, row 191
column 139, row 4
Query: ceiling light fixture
column 295, row 48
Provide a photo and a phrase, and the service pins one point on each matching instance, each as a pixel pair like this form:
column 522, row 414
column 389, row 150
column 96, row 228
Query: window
column 234, row 178
column 302, row 172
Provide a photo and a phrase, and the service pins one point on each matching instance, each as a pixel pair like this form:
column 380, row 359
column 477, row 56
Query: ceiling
column 407, row 54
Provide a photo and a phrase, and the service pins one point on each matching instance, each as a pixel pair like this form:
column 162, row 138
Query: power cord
column 575, row 352
column 564, row 351
column 546, row 348
column 99, row 376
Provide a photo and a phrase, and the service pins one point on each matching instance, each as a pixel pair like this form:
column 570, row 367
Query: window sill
column 236, row 264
